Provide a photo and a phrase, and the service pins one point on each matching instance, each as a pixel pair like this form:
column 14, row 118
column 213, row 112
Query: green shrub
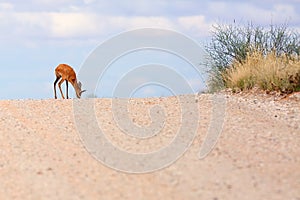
column 233, row 43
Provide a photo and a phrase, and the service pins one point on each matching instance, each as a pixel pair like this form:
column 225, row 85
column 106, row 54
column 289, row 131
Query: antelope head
column 78, row 90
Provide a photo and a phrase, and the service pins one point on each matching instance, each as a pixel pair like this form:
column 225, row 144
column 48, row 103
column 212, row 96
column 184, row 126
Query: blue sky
column 37, row 35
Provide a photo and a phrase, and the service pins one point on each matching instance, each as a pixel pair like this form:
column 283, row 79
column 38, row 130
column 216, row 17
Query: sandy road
column 257, row 155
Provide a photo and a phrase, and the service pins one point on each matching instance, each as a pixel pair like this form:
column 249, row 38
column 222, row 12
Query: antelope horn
column 82, row 91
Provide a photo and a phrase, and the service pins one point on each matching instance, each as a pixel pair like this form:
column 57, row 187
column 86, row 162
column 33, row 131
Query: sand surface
column 256, row 157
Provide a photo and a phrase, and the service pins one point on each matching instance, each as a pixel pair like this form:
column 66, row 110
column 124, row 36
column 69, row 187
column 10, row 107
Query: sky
column 37, row 35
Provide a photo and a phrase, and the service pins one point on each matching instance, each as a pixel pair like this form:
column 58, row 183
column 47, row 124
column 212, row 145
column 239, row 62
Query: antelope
column 67, row 73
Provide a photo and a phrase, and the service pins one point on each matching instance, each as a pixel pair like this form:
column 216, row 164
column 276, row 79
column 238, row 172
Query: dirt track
column 256, row 157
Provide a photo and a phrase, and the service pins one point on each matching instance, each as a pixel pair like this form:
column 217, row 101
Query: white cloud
column 68, row 25
column 74, row 21
column 285, row 12
column 159, row 22
column 89, row 1
column 245, row 12
column 29, row 24
column 197, row 25
column 6, row 6
column 72, row 25
column 90, row 25
column 51, row 2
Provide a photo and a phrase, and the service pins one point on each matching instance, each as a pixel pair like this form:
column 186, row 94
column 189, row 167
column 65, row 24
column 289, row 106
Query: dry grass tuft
column 270, row 73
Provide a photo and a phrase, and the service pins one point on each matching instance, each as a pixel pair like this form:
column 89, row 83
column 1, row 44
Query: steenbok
column 66, row 73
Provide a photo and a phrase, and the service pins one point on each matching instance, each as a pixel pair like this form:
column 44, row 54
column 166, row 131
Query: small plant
column 232, row 44
column 270, row 73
